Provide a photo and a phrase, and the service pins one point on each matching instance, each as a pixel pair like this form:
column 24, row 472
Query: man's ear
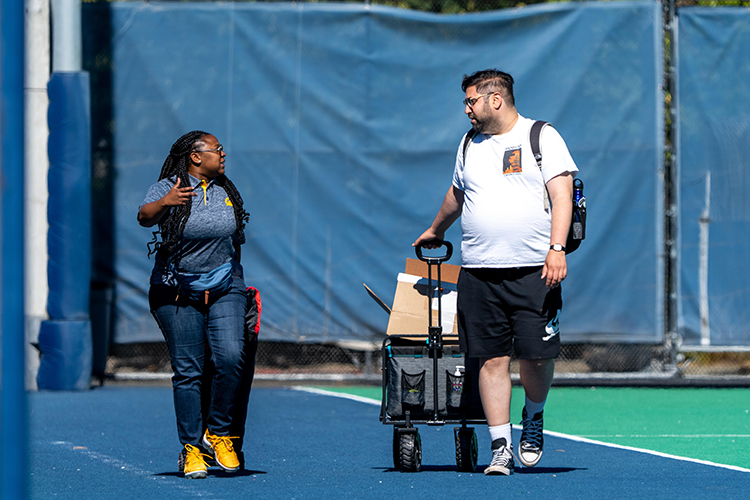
column 497, row 100
column 195, row 158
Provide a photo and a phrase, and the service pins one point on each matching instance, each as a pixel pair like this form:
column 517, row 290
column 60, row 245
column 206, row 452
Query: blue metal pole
column 13, row 423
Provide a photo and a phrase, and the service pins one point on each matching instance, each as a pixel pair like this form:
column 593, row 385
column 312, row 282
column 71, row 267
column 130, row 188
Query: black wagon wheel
column 396, row 448
column 466, row 449
column 410, row 450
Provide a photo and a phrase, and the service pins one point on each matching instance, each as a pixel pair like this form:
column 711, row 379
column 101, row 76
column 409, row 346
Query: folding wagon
column 427, row 381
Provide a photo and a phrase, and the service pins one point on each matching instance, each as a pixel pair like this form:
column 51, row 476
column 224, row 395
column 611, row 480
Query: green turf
column 707, row 424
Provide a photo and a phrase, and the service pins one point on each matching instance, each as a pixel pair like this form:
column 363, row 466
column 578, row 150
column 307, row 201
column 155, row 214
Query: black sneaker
column 532, row 439
column 502, row 459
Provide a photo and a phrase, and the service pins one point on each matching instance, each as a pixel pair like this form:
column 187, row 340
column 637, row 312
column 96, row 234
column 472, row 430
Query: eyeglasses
column 471, row 101
column 219, row 150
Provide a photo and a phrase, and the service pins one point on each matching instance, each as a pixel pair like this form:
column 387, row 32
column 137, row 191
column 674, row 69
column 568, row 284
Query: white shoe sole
column 530, row 463
column 498, row 471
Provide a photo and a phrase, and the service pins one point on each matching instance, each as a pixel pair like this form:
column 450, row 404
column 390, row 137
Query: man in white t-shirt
column 512, row 257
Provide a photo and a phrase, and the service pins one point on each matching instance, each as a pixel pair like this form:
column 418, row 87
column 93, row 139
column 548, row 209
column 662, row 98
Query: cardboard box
column 409, row 313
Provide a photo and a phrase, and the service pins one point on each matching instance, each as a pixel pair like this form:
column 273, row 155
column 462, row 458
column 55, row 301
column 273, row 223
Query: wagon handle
column 435, row 260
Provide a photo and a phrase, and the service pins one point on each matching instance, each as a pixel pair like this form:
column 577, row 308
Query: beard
column 479, row 125
column 482, row 120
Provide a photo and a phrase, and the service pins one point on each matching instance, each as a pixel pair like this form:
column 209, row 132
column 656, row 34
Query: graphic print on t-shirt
column 512, row 161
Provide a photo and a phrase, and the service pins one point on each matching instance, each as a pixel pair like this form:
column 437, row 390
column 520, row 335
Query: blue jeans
column 187, row 327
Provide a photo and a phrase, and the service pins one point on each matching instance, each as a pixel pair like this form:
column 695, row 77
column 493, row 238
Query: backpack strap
column 534, row 135
column 470, row 135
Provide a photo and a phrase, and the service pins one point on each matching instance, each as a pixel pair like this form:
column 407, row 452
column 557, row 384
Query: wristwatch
column 557, row 247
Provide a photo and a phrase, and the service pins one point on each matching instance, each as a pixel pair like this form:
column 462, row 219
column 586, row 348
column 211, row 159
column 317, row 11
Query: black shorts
column 500, row 310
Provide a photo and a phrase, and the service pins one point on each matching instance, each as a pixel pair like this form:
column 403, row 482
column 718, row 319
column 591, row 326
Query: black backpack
column 577, row 232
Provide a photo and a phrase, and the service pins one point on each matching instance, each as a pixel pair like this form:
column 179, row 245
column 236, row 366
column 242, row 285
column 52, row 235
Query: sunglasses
column 219, row 150
column 471, row 101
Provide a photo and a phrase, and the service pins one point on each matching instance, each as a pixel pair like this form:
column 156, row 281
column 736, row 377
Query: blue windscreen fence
column 714, row 176
column 341, row 125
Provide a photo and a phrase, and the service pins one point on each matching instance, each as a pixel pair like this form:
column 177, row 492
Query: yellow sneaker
column 223, row 451
column 194, row 467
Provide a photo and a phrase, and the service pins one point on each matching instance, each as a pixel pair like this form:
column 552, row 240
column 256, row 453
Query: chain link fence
column 360, row 362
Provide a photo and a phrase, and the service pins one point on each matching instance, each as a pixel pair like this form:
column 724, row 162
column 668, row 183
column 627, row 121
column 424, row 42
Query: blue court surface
column 120, row 442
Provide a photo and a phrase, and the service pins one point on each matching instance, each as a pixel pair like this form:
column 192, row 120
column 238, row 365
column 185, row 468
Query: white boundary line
column 641, row 450
column 119, row 465
column 680, row 436
column 343, row 395
column 551, row 433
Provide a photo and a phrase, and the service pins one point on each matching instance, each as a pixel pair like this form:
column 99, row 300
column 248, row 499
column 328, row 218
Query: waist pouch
column 202, row 287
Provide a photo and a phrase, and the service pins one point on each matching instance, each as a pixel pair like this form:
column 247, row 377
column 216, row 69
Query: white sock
column 533, row 408
column 501, row 431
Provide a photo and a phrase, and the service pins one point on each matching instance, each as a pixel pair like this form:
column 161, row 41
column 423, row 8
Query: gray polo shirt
column 209, row 235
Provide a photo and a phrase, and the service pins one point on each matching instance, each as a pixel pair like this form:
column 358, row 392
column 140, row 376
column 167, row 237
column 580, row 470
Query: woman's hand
column 178, row 196
column 151, row 213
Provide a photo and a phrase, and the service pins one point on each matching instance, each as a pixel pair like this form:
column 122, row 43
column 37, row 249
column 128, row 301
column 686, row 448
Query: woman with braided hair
column 197, row 293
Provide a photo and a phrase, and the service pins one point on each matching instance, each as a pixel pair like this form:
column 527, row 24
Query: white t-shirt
column 503, row 221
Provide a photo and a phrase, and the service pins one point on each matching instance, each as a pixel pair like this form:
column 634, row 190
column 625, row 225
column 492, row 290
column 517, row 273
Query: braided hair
column 176, row 166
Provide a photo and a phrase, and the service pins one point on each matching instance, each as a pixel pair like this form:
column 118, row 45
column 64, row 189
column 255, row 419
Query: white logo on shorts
column 553, row 327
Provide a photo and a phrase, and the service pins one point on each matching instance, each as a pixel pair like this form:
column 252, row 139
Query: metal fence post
column 672, row 339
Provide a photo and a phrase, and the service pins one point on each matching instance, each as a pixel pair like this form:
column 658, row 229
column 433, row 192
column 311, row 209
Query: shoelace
column 194, row 453
column 225, row 440
column 499, row 456
column 532, row 434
